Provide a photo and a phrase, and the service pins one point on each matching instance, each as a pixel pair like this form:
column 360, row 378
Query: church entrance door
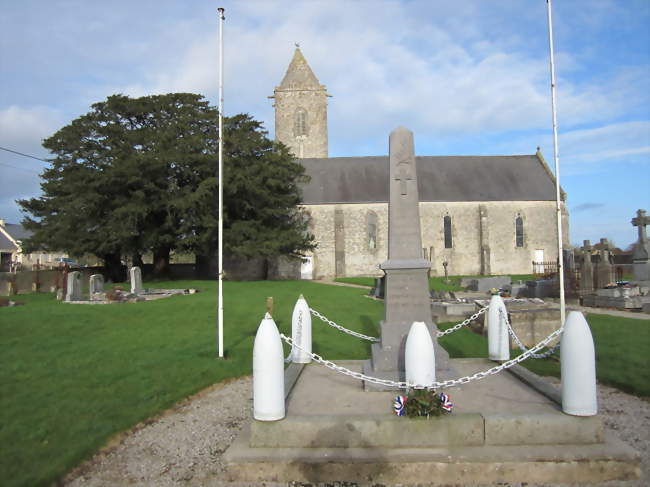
column 307, row 268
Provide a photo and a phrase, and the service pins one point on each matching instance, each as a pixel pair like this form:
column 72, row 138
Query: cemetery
column 97, row 295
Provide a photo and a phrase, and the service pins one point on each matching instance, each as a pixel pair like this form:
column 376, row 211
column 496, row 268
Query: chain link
column 463, row 323
column 436, row 385
column 341, row 328
column 520, row 344
column 374, row 339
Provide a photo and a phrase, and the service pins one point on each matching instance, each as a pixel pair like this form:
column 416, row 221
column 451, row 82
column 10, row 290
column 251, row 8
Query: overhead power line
column 19, row 168
column 24, row 155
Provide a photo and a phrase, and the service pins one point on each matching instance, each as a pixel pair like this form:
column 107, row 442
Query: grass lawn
column 435, row 283
column 74, row 375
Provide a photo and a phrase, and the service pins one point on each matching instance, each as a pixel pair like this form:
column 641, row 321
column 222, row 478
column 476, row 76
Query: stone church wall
column 483, row 237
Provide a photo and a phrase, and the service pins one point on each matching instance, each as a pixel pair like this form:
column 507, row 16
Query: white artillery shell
column 578, row 364
column 419, row 359
column 268, row 372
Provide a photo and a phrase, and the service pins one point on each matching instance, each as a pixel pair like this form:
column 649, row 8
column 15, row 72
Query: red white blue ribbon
column 399, row 405
column 445, row 402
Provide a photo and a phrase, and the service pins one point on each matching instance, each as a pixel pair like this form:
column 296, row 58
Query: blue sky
column 468, row 77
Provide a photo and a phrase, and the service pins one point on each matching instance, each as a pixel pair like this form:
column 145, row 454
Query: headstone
column 604, row 269
column 407, row 287
column 587, row 270
column 73, row 292
column 641, row 255
column 136, row 280
column 96, row 285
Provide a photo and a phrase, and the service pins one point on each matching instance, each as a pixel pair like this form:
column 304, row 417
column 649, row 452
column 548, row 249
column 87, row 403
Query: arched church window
column 519, row 231
column 446, row 221
column 300, row 126
column 372, row 230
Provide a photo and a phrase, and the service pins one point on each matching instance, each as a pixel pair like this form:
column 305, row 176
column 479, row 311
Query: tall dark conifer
column 139, row 174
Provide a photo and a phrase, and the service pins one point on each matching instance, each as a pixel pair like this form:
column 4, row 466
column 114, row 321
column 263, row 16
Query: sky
column 469, row 77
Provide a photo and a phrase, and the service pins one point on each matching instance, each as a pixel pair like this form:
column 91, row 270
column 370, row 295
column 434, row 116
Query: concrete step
column 449, row 430
column 501, row 430
column 444, row 465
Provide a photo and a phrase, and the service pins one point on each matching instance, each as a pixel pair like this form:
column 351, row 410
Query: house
column 12, row 257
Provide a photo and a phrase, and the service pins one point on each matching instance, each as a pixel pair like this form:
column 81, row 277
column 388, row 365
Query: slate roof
column 17, row 231
column 6, row 244
column 440, row 178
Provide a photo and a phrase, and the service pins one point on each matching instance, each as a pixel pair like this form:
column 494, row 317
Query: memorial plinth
column 501, row 430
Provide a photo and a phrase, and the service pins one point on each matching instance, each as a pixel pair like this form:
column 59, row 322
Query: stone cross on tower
column 640, row 258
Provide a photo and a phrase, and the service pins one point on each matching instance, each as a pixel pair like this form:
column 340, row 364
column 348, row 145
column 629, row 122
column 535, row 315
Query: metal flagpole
column 220, row 250
column 558, row 208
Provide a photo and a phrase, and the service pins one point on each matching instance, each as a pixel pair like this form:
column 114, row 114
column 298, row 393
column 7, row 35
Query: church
column 480, row 215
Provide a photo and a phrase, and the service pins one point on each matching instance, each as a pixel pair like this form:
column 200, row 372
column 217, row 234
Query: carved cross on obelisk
column 640, row 257
column 403, row 176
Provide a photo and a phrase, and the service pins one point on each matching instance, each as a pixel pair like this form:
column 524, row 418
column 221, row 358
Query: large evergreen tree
column 139, row 174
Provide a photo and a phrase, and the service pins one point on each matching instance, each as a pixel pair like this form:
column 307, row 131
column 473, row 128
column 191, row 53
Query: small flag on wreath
column 398, row 405
column 445, row 402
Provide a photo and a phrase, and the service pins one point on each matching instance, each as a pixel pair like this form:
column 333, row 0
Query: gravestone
column 73, row 292
column 587, row 270
column 136, row 280
column 96, row 285
column 407, row 287
column 604, row 269
column 640, row 257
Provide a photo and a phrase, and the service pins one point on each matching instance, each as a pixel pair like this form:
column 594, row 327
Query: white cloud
column 622, row 142
column 388, row 63
column 22, row 128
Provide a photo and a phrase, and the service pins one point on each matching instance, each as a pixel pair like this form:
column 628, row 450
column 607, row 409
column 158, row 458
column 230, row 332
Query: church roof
column 440, row 178
column 299, row 74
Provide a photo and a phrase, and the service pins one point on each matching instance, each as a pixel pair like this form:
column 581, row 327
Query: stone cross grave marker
column 73, row 292
column 96, row 285
column 407, row 287
column 605, row 269
column 587, row 270
column 641, row 255
column 136, row 280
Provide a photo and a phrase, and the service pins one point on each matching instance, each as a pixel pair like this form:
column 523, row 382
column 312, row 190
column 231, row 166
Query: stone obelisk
column 407, row 287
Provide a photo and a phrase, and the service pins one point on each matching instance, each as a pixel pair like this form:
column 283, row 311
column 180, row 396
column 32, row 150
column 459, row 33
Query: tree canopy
column 140, row 174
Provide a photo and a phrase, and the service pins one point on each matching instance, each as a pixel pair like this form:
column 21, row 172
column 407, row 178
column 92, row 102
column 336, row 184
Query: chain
column 521, row 346
column 341, row 328
column 437, row 385
column 462, row 323
column 374, row 339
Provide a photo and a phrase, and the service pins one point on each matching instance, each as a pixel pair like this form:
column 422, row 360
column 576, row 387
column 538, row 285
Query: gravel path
column 184, row 445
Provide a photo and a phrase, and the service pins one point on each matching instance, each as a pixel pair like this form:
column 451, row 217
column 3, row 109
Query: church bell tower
column 301, row 110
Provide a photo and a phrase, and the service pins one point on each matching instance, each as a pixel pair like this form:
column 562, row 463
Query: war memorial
column 316, row 421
